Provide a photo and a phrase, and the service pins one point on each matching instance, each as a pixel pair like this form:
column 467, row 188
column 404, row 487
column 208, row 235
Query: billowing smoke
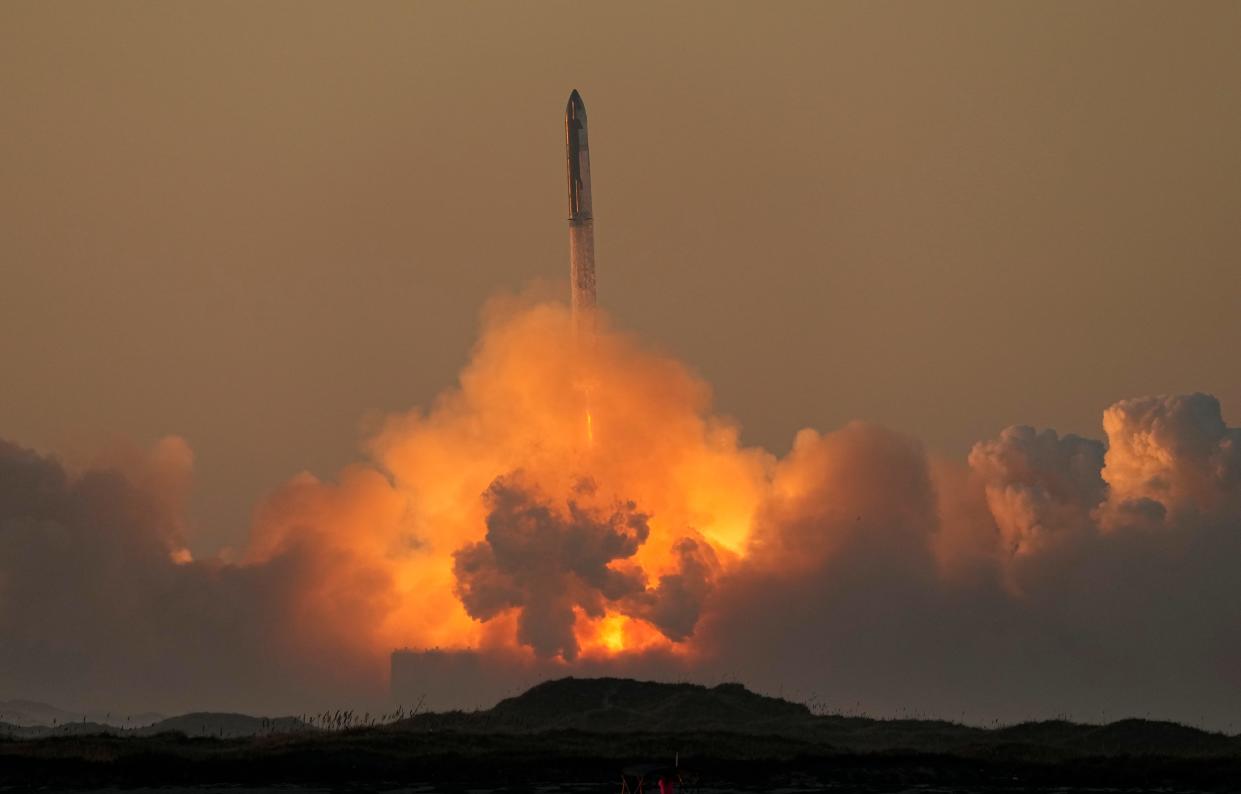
column 100, row 603
column 578, row 514
column 1052, row 575
column 1041, row 488
column 544, row 562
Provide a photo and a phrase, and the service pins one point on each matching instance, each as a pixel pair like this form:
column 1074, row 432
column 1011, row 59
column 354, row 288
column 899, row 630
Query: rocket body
column 581, row 218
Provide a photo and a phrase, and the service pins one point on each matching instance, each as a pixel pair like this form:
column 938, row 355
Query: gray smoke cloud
column 545, row 559
column 675, row 604
column 100, row 604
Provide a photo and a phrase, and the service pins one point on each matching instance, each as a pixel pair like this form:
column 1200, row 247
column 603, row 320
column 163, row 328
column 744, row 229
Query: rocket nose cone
column 575, row 102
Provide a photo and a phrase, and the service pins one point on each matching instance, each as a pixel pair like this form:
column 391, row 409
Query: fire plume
column 485, row 522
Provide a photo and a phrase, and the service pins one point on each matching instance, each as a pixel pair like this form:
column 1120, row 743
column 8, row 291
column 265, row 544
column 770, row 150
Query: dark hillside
column 1127, row 737
column 588, row 729
column 621, row 704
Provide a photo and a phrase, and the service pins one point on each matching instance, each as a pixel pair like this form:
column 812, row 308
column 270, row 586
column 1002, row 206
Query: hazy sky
column 260, row 226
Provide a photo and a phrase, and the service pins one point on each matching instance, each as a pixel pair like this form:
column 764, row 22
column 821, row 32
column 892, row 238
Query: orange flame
column 395, row 526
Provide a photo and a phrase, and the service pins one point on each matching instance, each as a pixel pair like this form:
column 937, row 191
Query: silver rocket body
column 581, row 218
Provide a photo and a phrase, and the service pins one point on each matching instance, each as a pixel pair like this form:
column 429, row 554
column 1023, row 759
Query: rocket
column 581, row 221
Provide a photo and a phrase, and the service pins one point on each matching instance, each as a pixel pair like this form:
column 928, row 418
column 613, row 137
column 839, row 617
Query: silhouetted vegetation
column 586, row 730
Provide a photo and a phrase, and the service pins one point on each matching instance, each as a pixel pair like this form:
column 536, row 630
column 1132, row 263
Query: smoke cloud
column 574, row 510
column 543, row 563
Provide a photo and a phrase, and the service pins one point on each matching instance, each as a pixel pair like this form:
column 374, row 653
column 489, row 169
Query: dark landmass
column 33, row 714
column 211, row 724
column 583, row 731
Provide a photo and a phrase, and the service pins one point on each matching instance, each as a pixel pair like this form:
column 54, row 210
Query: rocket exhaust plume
column 581, row 219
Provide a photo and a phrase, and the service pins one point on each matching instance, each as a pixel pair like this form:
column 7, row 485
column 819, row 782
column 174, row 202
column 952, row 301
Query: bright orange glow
column 616, row 634
column 394, row 528
column 612, row 633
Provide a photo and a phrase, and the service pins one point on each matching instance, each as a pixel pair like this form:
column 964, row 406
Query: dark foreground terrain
column 577, row 735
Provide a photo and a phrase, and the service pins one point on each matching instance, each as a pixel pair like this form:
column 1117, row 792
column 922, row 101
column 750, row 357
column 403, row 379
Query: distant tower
column 581, row 219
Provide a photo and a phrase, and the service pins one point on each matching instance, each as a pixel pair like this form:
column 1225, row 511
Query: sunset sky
column 243, row 241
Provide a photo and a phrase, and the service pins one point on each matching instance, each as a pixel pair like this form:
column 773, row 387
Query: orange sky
column 260, row 227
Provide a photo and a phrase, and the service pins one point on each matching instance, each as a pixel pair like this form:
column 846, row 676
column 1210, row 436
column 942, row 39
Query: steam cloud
column 1045, row 574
